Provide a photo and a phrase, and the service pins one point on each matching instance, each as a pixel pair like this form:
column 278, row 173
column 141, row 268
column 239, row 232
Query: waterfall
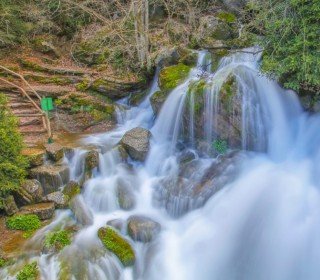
column 252, row 214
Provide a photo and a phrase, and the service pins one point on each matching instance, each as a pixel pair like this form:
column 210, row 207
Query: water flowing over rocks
column 142, row 228
column 125, row 194
column 51, row 177
column 81, row 211
column 136, row 142
column 59, row 199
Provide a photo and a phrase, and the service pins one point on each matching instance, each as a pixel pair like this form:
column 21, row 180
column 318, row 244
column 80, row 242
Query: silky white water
column 262, row 224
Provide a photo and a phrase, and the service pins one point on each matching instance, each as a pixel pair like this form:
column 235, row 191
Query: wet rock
column 51, row 177
column 43, row 210
column 118, row 245
column 30, row 192
column 71, row 189
column 10, row 206
column 143, row 229
column 126, row 197
column 157, row 100
column 91, row 162
column 117, row 224
column 168, row 57
column 80, row 210
column 121, row 152
column 136, row 142
column 54, row 151
column 59, row 199
column 186, row 156
column 35, row 156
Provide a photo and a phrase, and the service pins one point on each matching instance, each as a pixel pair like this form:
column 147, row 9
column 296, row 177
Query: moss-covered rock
column 34, row 156
column 30, row 192
column 57, row 240
column 117, row 244
column 157, row 100
column 43, row 210
column 170, row 77
column 54, row 151
column 29, row 272
column 9, row 205
column 71, row 189
column 56, row 80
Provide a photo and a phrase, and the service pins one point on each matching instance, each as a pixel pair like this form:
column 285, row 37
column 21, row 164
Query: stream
column 257, row 219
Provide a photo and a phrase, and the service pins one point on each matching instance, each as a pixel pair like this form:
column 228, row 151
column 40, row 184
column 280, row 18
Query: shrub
column 12, row 164
column 29, row 272
column 220, row 146
column 27, row 222
column 290, row 30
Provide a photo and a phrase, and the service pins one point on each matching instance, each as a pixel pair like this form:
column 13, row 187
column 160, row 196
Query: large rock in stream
column 142, row 228
column 136, row 142
column 81, row 211
column 196, row 183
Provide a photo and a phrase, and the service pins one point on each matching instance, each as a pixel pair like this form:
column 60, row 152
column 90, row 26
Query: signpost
column 46, row 106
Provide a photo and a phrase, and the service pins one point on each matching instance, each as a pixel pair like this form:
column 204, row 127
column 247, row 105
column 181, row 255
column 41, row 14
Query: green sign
column 46, row 104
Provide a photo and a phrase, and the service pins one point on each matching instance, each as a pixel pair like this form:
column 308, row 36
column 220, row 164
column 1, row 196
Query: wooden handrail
column 45, row 118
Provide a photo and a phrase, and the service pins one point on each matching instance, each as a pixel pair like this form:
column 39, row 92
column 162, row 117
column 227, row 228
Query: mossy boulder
column 59, row 199
column 29, row 272
column 9, row 205
column 55, row 241
column 72, row 189
column 117, row 89
column 34, row 156
column 117, row 244
column 170, row 77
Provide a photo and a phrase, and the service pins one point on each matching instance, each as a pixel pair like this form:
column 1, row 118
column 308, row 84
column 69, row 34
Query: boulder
column 157, row 100
column 30, row 192
column 143, row 229
column 71, row 189
column 35, row 156
column 51, row 177
column 10, row 206
column 59, row 199
column 43, row 210
column 118, row 224
column 117, row 244
column 80, row 210
column 91, row 162
column 136, row 142
column 126, row 197
column 54, row 151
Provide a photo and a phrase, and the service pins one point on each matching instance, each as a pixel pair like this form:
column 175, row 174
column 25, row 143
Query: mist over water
column 262, row 224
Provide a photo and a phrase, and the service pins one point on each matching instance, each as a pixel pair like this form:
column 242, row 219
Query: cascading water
column 255, row 215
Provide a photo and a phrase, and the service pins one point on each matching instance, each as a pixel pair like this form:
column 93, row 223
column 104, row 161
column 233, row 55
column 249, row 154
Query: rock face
column 51, row 177
column 196, row 183
column 71, row 189
column 136, row 142
column 117, row 244
column 142, row 229
column 30, row 192
column 81, row 212
column 10, row 206
column 54, row 151
column 44, row 210
column 34, row 156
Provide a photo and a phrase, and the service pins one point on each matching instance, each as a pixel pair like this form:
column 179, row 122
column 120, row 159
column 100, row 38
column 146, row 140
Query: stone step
column 23, row 121
column 20, row 105
column 25, row 111
column 32, row 129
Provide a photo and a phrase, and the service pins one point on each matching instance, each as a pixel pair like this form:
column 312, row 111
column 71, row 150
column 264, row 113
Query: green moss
column 71, row 189
column 83, row 86
column 114, row 242
column 170, row 77
column 3, row 262
column 28, row 222
column 227, row 17
column 31, row 65
column 220, row 146
column 56, row 80
column 197, row 89
column 29, row 272
column 227, row 92
column 58, row 240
